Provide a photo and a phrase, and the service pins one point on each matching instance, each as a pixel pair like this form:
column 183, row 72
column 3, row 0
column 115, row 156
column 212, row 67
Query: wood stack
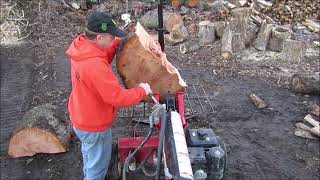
column 288, row 11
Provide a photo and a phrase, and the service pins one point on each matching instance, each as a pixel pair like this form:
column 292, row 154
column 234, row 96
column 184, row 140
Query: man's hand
column 146, row 87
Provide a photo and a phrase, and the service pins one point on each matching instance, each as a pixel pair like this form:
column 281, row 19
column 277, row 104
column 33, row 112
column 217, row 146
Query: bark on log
column 303, row 131
column 257, row 101
column 40, row 132
column 238, row 43
column 178, row 34
column 242, row 17
column 192, row 3
column 226, row 47
column 206, row 33
column 150, row 20
column 141, row 60
column 189, row 47
column 305, row 84
column 293, row 50
column 278, row 36
column 315, row 110
column 263, row 36
column 219, row 27
column 316, row 126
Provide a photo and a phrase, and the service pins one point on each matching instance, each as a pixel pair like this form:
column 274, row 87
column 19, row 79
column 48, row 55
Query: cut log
column 189, row 47
column 206, row 33
column 192, row 3
column 316, row 126
column 219, row 27
column 40, row 131
column 303, row 131
column 263, row 36
column 305, row 84
column 176, row 3
column 141, row 60
column 293, row 50
column 226, row 43
column 237, row 42
column 150, row 19
column 242, row 17
column 278, row 36
column 312, row 25
column 257, row 101
column 178, row 34
column 173, row 19
column 315, row 110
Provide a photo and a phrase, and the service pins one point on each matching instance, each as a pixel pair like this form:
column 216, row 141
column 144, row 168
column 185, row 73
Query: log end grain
column 30, row 141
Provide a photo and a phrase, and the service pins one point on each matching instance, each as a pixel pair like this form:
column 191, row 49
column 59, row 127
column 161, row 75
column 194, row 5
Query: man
column 96, row 93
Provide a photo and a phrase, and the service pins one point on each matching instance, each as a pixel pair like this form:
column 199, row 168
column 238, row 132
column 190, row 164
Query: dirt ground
column 260, row 143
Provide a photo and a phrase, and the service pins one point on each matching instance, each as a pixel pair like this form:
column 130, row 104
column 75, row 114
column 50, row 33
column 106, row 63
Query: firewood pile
column 288, row 11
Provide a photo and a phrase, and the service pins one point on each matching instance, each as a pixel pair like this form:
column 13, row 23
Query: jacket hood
column 83, row 49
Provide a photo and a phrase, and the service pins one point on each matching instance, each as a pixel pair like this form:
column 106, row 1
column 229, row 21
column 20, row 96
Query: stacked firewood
column 288, row 11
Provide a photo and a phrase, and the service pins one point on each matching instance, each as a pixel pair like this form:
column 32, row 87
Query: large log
column 40, row 131
column 150, row 19
column 305, row 84
column 189, row 47
column 226, row 42
column 293, row 50
column 263, row 36
column 206, row 33
column 278, row 36
column 141, row 60
column 242, row 17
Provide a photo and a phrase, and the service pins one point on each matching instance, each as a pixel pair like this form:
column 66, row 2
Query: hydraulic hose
column 128, row 159
column 160, row 145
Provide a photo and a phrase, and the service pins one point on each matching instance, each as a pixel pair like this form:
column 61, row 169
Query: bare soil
column 260, row 143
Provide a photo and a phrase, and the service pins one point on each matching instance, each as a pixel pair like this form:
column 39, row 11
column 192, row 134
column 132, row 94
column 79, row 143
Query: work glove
column 146, row 88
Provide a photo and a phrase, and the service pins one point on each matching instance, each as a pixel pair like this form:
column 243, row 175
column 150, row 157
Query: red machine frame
column 129, row 144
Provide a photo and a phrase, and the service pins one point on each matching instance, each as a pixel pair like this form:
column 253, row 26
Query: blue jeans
column 96, row 148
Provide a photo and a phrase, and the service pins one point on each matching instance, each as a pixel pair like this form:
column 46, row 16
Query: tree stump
column 263, row 36
column 293, row 50
column 278, row 35
column 206, row 33
column 40, row 131
column 305, row 84
column 142, row 60
column 189, row 47
column 226, row 43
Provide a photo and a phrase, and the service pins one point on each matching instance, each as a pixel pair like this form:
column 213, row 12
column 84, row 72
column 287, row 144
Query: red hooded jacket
column 96, row 93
